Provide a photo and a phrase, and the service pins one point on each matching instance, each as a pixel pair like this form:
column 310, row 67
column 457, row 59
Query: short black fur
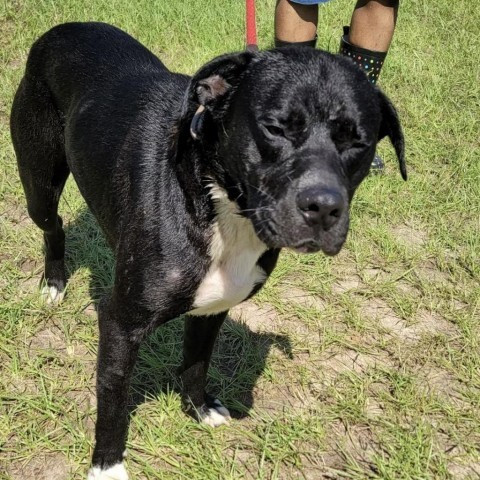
column 287, row 134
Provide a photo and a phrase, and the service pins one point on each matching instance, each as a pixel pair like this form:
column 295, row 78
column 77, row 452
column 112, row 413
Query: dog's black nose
column 321, row 206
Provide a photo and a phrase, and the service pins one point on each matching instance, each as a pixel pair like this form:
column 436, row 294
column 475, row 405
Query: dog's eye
column 344, row 134
column 275, row 130
column 342, row 131
column 272, row 130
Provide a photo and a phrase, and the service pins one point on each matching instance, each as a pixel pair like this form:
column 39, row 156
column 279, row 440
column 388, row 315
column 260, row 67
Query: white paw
column 51, row 295
column 214, row 416
column 117, row 472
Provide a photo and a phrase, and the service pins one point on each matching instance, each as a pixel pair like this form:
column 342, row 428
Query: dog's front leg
column 199, row 339
column 117, row 353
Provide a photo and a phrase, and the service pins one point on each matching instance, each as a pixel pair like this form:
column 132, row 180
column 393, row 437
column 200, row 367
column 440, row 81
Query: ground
column 366, row 365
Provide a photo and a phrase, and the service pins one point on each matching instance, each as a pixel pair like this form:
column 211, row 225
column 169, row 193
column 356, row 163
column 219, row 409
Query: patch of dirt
column 374, row 273
column 307, row 473
column 30, row 266
column 43, row 467
column 429, row 272
column 444, row 384
column 334, row 362
column 86, row 402
column 464, row 472
column 29, row 282
column 431, row 323
column 30, row 285
column 379, row 311
column 49, row 338
column 407, row 288
column 349, row 444
column 90, row 310
column 4, row 118
column 350, row 281
column 17, row 215
column 373, row 408
column 297, row 296
column 462, row 465
column 248, row 460
column 265, row 320
column 257, row 318
column 22, row 386
column 410, row 236
column 458, row 304
column 16, row 63
column 425, row 322
column 310, row 466
column 277, row 398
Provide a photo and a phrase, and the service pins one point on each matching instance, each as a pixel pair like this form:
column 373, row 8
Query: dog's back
column 73, row 58
column 89, row 95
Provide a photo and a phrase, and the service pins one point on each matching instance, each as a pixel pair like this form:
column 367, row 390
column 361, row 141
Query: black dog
column 196, row 182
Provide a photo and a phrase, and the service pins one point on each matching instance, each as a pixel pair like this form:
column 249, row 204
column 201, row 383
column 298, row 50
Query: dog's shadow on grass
column 240, row 354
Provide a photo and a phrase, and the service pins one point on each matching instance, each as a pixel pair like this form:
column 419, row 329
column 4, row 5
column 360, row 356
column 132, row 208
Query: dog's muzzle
column 307, row 221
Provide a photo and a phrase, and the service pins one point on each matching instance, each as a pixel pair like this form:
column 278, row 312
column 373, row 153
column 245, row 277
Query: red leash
column 251, row 26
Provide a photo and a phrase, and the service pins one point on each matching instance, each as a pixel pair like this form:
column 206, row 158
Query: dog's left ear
column 213, row 85
column 390, row 126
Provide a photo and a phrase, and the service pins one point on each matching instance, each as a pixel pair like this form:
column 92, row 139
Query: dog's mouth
column 312, row 246
column 276, row 234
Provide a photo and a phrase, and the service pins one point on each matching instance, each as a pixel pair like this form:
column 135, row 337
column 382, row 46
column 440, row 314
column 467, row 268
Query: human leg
column 373, row 24
column 370, row 34
column 296, row 23
column 368, row 39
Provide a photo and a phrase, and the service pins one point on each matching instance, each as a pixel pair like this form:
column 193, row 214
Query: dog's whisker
column 264, row 208
column 258, row 189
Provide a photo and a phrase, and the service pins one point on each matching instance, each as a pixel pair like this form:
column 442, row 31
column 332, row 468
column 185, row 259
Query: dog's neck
column 234, row 251
column 198, row 168
column 232, row 230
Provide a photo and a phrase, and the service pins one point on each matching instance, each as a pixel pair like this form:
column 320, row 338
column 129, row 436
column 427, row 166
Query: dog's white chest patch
column 234, row 250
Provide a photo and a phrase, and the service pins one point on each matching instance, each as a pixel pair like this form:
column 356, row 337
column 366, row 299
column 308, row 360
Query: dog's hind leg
column 199, row 339
column 38, row 139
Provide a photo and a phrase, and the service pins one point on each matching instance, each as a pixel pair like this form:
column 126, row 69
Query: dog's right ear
column 211, row 88
column 390, row 126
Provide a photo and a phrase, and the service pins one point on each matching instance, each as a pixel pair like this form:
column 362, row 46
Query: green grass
column 366, row 365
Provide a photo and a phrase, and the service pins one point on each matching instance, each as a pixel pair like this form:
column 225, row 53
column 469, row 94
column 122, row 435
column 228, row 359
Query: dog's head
column 290, row 134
